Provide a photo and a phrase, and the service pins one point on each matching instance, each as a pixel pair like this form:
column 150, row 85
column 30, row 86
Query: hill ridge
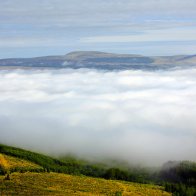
column 103, row 61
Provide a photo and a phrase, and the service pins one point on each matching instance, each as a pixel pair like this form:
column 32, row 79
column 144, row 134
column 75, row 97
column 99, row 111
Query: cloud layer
column 73, row 12
column 40, row 27
column 145, row 117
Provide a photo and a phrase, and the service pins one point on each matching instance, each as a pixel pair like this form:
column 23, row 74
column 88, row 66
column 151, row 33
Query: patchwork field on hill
column 63, row 184
column 23, row 172
column 12, row 163
column 27, row 182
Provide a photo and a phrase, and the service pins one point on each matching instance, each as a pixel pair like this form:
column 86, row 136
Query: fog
column 142, row 117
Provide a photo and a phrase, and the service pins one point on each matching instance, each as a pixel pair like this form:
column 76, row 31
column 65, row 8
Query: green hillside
column 63, row 184
column 51, row 164
column 30, row 174
column 23, row 171
column 11, row 163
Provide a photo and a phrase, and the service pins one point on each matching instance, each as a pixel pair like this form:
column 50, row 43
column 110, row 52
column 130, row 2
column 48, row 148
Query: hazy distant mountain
column 101, row 60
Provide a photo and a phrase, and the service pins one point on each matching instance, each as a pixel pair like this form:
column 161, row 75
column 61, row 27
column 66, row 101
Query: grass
column 52, row 164
column 62, row 184
column 28, row 176
column 37, row 158
column 10, row 163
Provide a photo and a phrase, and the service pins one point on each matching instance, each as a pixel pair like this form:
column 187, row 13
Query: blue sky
column 51, row 27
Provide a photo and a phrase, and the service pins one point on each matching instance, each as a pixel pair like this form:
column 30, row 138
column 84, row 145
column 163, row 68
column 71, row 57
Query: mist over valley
column 143, row 117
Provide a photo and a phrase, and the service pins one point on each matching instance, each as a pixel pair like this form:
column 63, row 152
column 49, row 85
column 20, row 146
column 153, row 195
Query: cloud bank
column 52, row 27
column 73, row 12
column 148, row 36
column 142, row 117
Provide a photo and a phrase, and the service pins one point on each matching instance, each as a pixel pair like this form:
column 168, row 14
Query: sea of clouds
column 142, row 117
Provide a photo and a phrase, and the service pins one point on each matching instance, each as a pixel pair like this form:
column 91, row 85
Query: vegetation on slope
column 51, row 164
column 63, row 184
column 11, row 164
column 177, row 177
column 180, row 178
column 72, row 166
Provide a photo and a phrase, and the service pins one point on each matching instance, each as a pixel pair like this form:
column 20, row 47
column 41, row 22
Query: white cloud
column 77, row 12
column 138, row 116
column 26, row 41
column 65, row 25
column 176, row 34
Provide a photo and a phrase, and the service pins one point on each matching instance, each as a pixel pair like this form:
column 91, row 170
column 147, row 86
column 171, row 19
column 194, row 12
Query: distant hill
column 103, row 61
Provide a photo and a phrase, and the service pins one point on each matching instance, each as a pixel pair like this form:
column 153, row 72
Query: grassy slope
column 52, row 164
column 63, row 184
column 30, row 183
column 36, row 158
column 13, row 162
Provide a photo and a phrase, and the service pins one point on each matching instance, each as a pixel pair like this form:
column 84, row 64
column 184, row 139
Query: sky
column 56, row 27
column 146, row 118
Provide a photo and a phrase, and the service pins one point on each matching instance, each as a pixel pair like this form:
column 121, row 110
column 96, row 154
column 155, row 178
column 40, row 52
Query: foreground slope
column 11, row 163
column 50, row 164
column 30, row 174
column 39, row 174
column 63, row 184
